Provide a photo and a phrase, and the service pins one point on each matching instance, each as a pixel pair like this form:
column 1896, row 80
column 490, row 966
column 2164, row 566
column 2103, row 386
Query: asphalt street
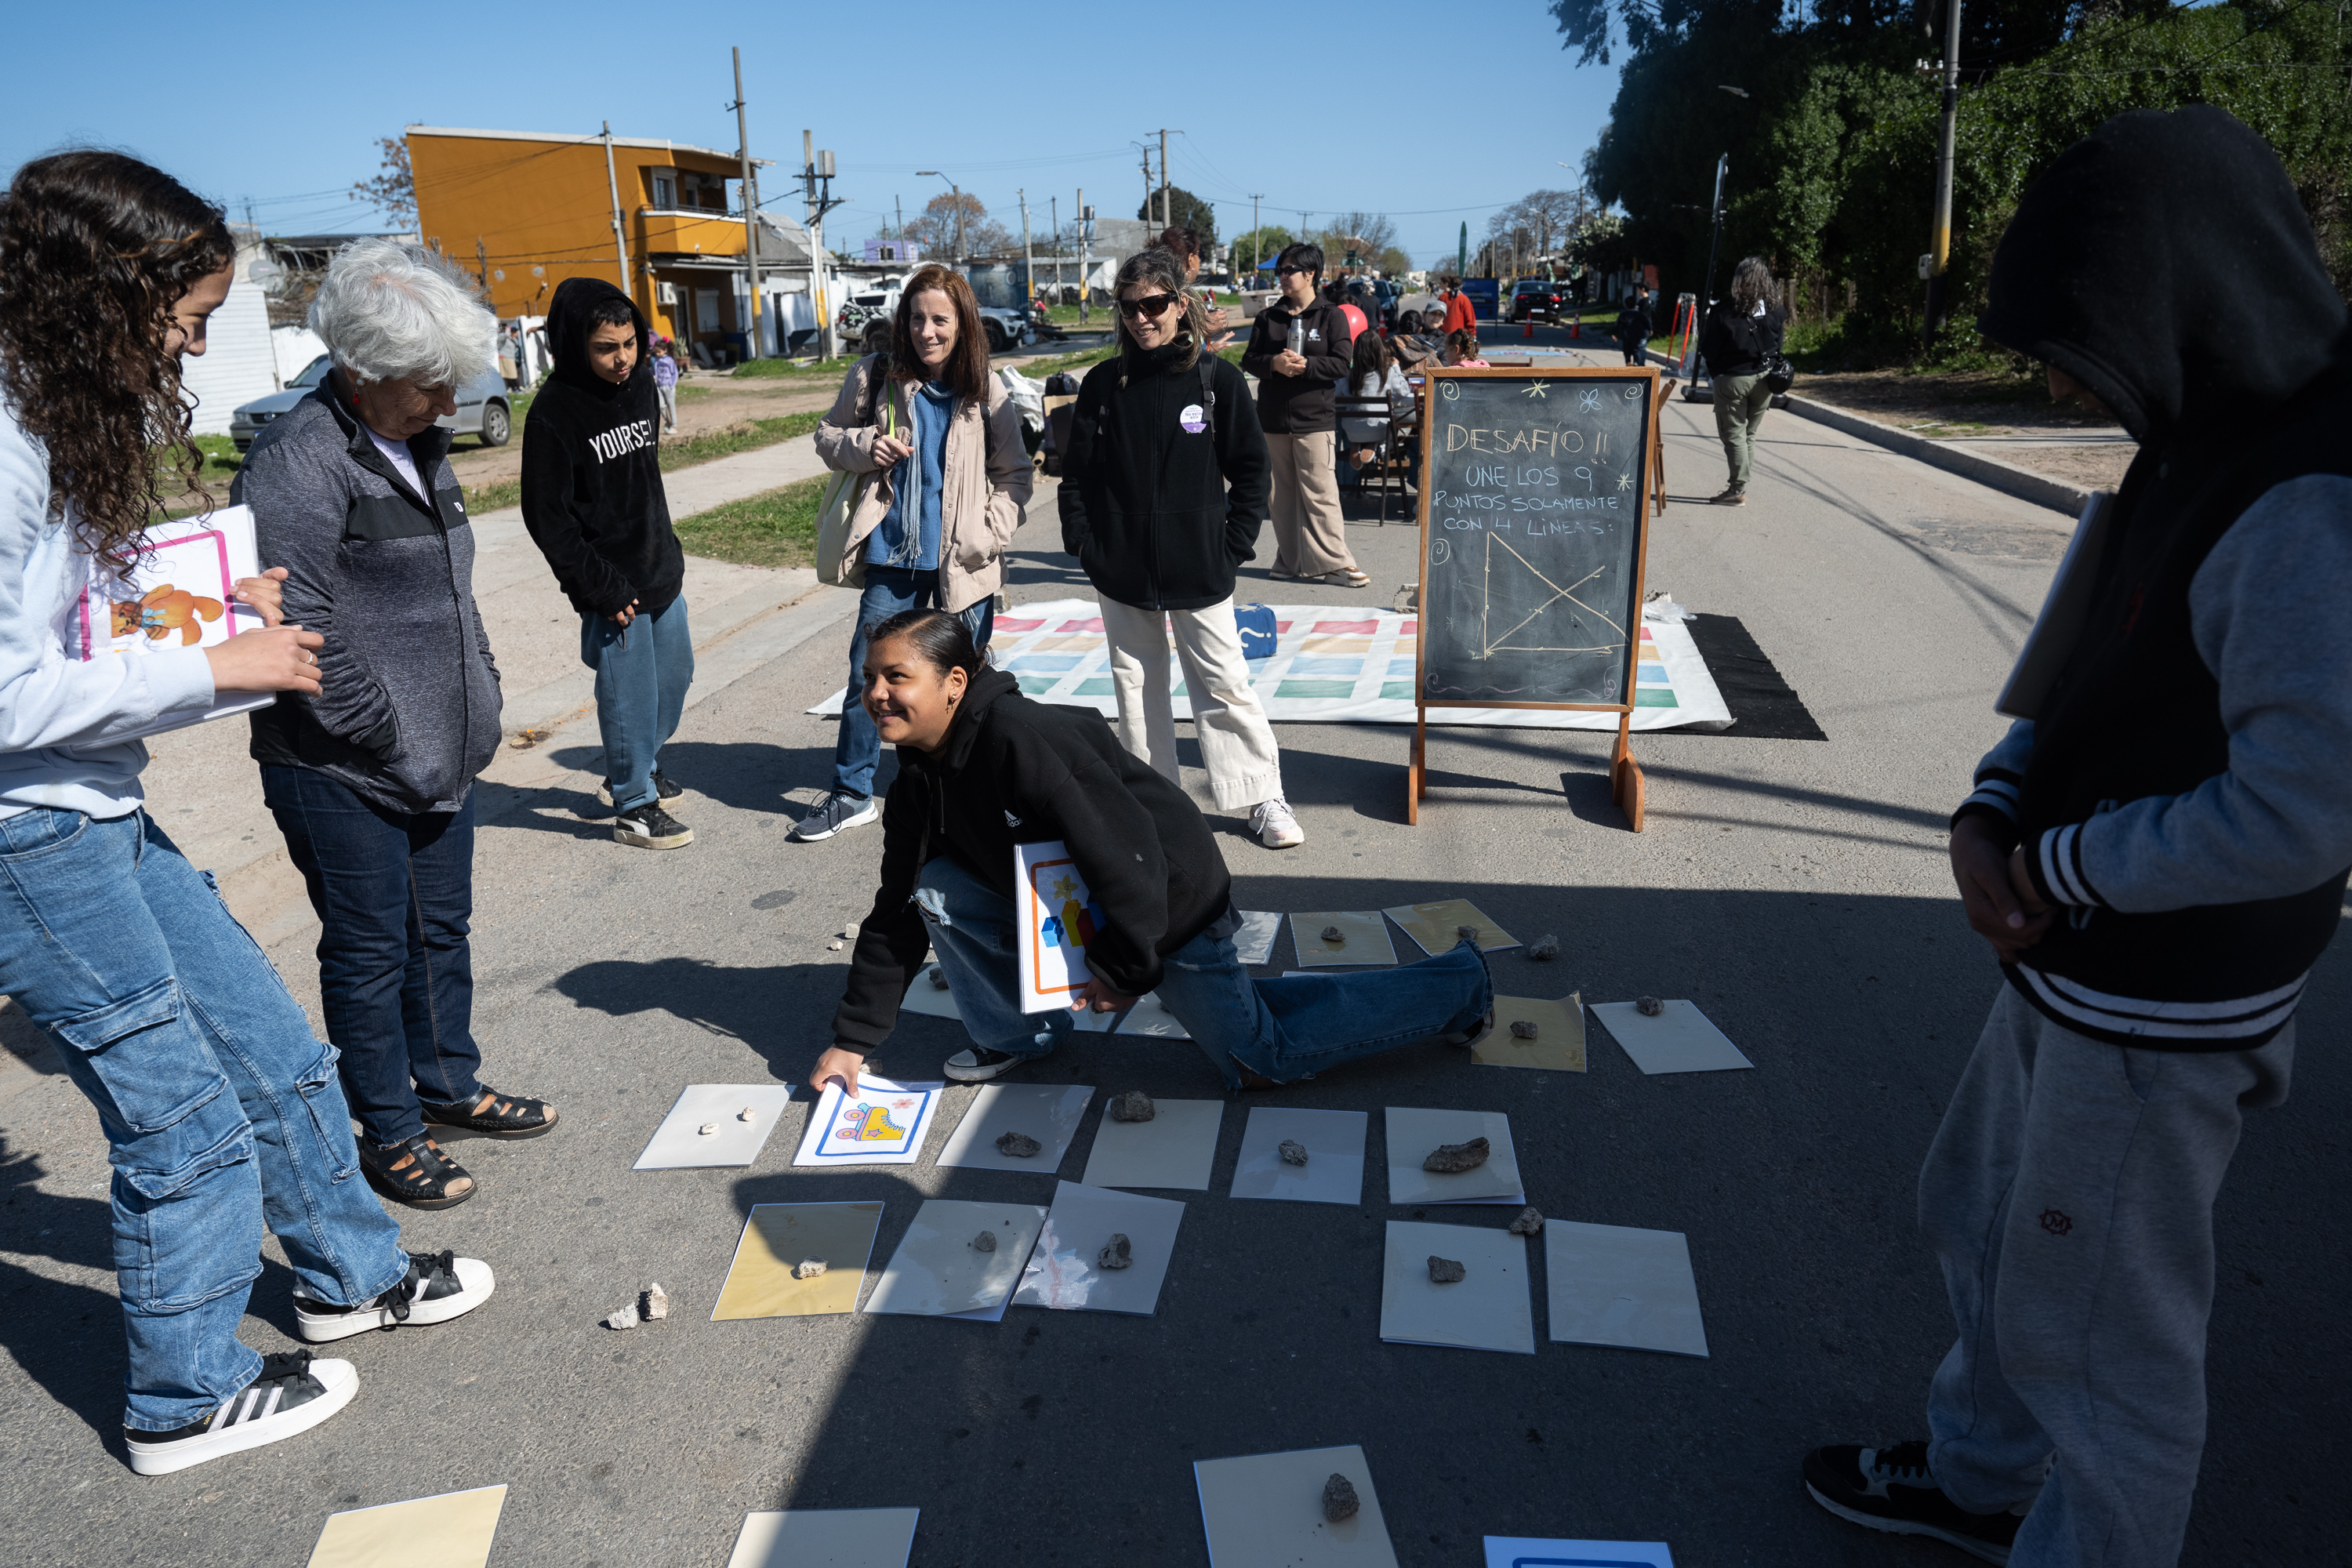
column 1795, row 890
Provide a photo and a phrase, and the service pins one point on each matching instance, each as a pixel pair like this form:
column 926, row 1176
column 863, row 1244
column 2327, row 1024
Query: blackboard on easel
column 1536, row 490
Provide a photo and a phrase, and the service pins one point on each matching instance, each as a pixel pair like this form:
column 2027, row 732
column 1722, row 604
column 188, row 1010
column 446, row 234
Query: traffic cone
column 1577, row 330
column 1527, row 328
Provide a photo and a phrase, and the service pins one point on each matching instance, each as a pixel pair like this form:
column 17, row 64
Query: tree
column 1259, row 245
column 1185, row 210
column 392, row 190
column 1395, row 263
column 934, row 228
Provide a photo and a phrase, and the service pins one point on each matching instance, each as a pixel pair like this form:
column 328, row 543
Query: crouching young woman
column 983, row 768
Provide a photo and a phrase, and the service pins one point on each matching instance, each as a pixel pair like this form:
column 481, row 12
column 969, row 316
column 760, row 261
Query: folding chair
column 1388, row 463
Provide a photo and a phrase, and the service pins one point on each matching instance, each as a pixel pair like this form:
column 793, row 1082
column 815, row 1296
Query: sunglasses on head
column 1152, row 305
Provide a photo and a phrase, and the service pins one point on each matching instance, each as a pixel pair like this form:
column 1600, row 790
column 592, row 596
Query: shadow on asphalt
column 1073, row 1433
column 67, row 1337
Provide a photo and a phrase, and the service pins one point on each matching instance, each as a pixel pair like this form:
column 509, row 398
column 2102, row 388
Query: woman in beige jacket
column 950, row 478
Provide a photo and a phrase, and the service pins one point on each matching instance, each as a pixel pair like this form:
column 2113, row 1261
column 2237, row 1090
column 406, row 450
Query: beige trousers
column 1309, row 539
column 1236, row 741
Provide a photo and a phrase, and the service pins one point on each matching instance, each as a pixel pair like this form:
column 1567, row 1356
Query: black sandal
column 495, row 1115
column 416, row 1173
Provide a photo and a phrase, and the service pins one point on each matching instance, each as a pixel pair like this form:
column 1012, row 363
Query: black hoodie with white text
column 592, row 484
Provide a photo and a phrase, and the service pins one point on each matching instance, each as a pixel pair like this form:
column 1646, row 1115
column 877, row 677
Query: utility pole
column 1028, row 267
column 1086, row 217
column 1165, row 217
column 1706, row 289
column 816, row 170
column 751, row 209
column 1147, row 181
column 1054, row 213
column 900, row 208
column 1255, row 241
column 620, row 235
column 482, row 265
column 1940, row 255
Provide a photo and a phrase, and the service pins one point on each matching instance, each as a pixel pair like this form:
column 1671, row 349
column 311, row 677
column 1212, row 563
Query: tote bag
column 839, row 504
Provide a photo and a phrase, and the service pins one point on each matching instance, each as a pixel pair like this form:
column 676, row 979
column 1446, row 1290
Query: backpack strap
column 1208, row 388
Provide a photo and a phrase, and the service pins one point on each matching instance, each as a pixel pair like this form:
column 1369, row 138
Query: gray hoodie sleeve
column 298, row 509
column 2266, row 609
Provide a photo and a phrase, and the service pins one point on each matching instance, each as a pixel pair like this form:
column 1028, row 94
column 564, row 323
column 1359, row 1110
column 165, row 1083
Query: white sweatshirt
column 59, row 712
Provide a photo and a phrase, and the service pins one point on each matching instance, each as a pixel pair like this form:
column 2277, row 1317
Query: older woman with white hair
column 372, row 779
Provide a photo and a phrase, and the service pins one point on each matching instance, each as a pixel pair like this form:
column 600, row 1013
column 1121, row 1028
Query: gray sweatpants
column 2069, row 1194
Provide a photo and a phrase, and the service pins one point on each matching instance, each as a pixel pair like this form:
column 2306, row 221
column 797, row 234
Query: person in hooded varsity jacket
column 592, row 498
column 2158, row 858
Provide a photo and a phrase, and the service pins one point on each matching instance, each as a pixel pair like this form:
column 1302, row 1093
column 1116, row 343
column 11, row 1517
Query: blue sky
column 282, row 104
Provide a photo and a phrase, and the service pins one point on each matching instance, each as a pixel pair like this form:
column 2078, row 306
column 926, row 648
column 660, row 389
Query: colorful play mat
column 1332, row 665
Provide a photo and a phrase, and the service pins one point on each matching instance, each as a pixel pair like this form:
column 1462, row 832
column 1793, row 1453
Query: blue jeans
column 1283, row 1029
column 642, row 672
column 890, row 590
column 395, row 897
column 220, row 1109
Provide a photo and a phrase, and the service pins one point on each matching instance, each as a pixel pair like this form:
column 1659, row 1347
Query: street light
column 1734, row 92
column 958, row 190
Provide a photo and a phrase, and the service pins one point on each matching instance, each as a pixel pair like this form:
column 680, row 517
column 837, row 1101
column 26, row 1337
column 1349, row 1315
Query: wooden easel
column 1627, row 786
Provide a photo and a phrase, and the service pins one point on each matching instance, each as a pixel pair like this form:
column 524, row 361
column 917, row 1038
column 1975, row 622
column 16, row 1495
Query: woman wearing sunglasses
column 1161, row 498
column 1298, row 351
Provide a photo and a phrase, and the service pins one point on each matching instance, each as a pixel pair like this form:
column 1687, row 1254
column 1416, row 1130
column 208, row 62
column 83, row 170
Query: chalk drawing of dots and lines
column 1491, row 643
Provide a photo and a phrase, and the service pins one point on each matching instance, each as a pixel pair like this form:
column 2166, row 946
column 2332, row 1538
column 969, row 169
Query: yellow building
column 524, row 212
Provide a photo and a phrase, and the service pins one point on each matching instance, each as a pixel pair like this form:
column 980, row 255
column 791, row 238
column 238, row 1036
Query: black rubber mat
column 1763, row 706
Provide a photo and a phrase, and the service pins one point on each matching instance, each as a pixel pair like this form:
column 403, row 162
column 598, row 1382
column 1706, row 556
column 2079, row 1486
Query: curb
column 1990, row 472
column 2008, row 477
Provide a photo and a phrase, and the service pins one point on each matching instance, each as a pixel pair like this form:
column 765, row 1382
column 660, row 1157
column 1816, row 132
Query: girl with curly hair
column 221, row 1110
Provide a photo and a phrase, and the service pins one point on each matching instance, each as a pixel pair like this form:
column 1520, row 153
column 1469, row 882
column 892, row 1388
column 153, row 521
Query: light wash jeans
column 1283, row 1029
column 222, row 1112
column 643, row 671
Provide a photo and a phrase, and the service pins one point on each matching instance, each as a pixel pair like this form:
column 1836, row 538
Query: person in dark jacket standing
column 1633, row 329
column 1298, row 350
column 592, row 498
column 371, row 780
column 1739, row 334
column 982, row 769
column 2158, row 856
column 1159, row 431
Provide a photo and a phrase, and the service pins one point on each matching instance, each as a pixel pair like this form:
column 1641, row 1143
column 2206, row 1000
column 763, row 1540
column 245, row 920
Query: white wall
column 235, row 366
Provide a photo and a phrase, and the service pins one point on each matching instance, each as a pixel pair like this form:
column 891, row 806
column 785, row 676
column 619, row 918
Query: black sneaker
column 649, row 826
column 979, row 1064
column 437, row 1288
column 1892, row 1490
column 664, row 792
column 292, row 1394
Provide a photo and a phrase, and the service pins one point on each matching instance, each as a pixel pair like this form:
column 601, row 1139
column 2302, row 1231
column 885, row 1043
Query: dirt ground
column 2014, row 422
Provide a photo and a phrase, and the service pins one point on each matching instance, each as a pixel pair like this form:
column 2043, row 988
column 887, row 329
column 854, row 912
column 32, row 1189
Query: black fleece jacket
column 1298, row 405
column 1736, row 344
column 1017, row 772
column 1145, row 503
column 592, row 484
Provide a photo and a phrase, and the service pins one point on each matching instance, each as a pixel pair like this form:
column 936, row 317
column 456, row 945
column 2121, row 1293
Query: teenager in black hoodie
column 2157, row 857
column 983, row 768
column 592, row 497
column 1161, row 498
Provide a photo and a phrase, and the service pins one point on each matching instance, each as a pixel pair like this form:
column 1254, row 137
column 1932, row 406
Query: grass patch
column 791, row 370
column 748, row 436
column 498, row 497
column 1039, row 369
column 775, row 528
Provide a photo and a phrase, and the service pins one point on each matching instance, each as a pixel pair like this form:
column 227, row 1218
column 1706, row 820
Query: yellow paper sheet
column 453, row 1530
column 1365, row 938
column 1433, row 925
column 759, row 1282
column 1560, row 1035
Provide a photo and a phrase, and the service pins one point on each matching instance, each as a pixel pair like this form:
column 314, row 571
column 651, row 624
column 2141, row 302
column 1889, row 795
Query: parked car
column 1537, row 299
column 1005, row 328
column 482, row 407
column 865, row 317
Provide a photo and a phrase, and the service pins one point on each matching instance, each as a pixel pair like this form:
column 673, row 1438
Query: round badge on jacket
column 1192, row 419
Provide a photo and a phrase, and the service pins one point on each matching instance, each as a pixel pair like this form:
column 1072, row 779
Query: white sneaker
column 437, row 1288
column 292, row 1394
column 1274, row 825
column 836, row 814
